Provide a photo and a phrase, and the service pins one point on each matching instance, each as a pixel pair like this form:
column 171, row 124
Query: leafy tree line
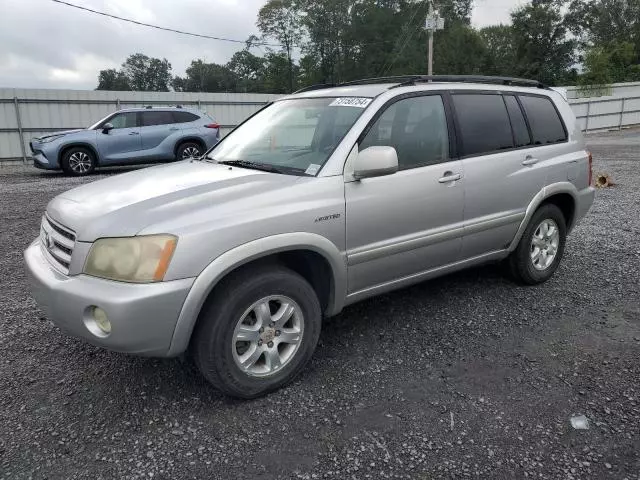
column 589, row 42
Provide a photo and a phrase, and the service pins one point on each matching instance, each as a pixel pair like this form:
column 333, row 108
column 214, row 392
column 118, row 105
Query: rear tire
column 78, row 162
column 241, row 344
column 541, row 247
column 189, row 150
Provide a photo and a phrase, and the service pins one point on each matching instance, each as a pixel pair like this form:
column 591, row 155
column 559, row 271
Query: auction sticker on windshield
column 357, row 102
column 312, row 169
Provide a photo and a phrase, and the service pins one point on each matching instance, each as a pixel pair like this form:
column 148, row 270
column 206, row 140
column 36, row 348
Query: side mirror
column 107, row 127
column 375, row 162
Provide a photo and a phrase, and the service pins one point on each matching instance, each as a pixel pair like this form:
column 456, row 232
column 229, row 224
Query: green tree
column 147, row 74
column 138, row 72
column 459, row 50
column 543, row 47
column 249, row 70
column 457, row 10
column 330, row 39
column 280, row 20
column 607, row 64
column 500, row 56
column 277, row 73
column 601, row 22
column 112, row 79
column 206, row 77
column 609, row 31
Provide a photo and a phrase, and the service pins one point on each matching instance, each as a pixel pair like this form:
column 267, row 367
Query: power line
column 104, row 14
column 403, row 36
column 407, row 39
column 209, row 37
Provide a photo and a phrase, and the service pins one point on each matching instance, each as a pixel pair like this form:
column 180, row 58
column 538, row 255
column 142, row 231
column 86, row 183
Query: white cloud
column 493, row 12
column 47, row 45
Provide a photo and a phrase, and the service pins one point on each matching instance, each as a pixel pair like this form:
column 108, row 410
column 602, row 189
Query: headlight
column 133, row 259
column 50, row 139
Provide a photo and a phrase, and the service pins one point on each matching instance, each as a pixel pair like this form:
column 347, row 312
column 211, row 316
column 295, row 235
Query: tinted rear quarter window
column 544, row 120
column 156, row 118
column 184, row 117
column 484, row 123
column 518, row 123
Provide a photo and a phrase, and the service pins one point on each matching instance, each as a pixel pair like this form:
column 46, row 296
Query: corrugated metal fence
column 27, row 113
column 604, row 113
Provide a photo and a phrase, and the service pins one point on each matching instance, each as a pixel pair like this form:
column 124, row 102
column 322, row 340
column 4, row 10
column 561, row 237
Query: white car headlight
column 50, row 139
column 141, row 259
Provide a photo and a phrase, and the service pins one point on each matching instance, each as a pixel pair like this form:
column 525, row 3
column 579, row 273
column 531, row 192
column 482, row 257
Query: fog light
column 97, row 322
column 101, row 319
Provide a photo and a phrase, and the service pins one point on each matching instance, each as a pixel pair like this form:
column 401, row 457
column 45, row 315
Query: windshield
column 296, row 135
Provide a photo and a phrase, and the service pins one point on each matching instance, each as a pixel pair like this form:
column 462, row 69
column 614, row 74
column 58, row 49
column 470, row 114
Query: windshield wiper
column 263, row 167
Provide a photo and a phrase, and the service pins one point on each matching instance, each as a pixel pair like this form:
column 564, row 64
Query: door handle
column 529, row 160
column 174, row 128
column 450, row 177
column 134, row 133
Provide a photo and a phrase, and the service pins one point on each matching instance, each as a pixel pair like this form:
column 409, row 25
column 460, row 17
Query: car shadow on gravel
column 379, row 321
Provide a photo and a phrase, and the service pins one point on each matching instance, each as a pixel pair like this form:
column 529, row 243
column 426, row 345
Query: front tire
column 258, row 331
column 541, row 247
column 78, row 162
column 189, row 150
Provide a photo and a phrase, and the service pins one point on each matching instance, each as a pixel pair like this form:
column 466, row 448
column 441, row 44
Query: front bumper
column 143, row 316
column 40, row 160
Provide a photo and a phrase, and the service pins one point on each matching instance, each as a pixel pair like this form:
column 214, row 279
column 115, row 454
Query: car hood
column 57, row 134
column 124, row 205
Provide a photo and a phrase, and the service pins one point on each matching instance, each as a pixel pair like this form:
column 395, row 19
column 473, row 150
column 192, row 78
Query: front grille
column 60, row 230
column 57, row 243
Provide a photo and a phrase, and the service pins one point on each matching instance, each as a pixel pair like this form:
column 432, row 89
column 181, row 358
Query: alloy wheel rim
column 80, row 162
column 545, row 244
column 267, row 336
column 190, row 152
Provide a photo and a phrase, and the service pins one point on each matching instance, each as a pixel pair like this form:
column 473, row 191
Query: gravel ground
column 464, row 376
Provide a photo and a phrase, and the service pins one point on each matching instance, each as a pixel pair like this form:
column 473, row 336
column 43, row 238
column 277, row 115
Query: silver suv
column 322, row 199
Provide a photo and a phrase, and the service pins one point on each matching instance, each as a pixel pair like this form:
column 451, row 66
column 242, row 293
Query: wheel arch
column 65, row 148
column 562, row 194
column 297, row 251
column 567, row 205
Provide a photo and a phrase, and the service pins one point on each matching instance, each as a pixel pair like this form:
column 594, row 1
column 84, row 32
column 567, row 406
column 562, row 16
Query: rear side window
column 518, row 123
column 544, row 120
column 156, row 118
column 484, row 123
column 184, row 117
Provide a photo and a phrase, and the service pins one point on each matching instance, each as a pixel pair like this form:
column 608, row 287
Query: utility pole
column 434, row 22
column 429, row 17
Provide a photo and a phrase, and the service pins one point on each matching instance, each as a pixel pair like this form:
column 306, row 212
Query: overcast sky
column 47, row 45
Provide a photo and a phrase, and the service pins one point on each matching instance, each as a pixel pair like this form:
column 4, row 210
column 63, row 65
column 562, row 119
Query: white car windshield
column 294, row 136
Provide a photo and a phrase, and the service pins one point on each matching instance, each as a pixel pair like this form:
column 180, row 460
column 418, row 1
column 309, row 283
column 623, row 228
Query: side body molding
column 541, row 196
column 230, row 260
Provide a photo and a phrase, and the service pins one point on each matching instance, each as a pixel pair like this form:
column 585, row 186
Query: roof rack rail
column 405, row 80
column 393, row 79
column 318, row 86
column 511, row 81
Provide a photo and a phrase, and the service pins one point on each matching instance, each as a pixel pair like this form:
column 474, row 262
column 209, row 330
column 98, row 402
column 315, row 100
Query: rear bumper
column 143, row 317
column 584, row 202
